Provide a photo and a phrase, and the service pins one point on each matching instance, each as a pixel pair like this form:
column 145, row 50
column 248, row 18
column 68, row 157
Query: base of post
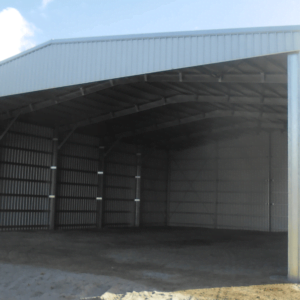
column 292, row 280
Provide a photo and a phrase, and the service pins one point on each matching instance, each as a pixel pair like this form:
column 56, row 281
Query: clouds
column 16, row 33
column 45, row 3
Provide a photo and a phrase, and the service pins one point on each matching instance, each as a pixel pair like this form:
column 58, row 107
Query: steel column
column 100, row 189
column 293, row 165
column 270, row 183
column 137, row 199
column 217, row 186
column 167, row 221
column 53, row 168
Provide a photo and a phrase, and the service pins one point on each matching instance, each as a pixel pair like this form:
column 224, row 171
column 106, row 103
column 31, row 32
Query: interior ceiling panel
column 176, row 108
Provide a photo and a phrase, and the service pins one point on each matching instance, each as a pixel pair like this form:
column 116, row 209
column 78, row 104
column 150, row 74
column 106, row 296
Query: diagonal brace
column 9, row 126
column 116, row 142
column 67, row 137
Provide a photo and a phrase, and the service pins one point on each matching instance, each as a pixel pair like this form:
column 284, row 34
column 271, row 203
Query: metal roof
column 171, row 90
column 68, row 62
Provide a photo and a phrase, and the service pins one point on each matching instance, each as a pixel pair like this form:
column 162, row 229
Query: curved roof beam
column 232, row 78
column 242, row 126
column 174, row 100
column 180, row 77
column 228, row 132
column 275, row 117
column 67, row 97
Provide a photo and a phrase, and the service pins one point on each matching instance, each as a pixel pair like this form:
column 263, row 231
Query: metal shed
column 185, row 128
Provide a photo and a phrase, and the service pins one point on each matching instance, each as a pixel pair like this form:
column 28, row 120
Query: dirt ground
column 148, row 263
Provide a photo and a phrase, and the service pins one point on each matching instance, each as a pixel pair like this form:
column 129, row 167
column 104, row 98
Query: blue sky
column 26, row 23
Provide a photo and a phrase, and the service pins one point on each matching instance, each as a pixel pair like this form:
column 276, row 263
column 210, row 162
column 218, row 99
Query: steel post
column 53, row 168
column 167, row 221
column 270, row 183
column 100, row 189
column 293, row 165
column 137, row 199
column 217, row 186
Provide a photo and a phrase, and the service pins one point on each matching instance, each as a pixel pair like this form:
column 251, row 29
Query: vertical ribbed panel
column 119, row 193
column 154, row 188
column 193, row 187
column 279, row 189
column 243, row 183
column 71, row 62
column 25, row 175
column 227, row 186
column 77, row 183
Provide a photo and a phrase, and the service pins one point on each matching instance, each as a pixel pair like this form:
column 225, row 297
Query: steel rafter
column 242, row 126
column 67, row 97
column 225, row 77
column 211, row 115
column 173, row 100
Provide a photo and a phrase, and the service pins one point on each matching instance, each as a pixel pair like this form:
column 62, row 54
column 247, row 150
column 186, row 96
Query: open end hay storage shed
column 176, row 129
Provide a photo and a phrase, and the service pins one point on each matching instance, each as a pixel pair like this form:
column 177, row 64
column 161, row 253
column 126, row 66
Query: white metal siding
column 119, row 186
column 227, row 186
column 65, row 63
column 243, row 183
column 193, row 187
column 154, row 188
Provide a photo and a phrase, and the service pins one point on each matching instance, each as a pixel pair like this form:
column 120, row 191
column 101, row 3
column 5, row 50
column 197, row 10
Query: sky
column 27, row 23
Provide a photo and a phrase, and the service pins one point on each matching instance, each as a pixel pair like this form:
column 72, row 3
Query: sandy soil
column 160, row 263
column 20, row 282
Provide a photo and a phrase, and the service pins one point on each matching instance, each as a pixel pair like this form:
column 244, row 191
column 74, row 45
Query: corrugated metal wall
column 154, row 188
column 237, row 184
column 25, row 157
column 77, row 183
column 193, row 187
column 25, row 161
column 243, row 173
column 119, row 194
